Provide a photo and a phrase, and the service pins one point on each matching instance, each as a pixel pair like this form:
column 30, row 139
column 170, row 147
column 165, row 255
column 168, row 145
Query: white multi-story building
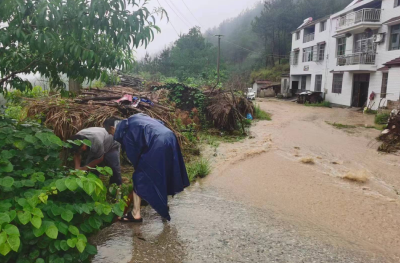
column 350, row 55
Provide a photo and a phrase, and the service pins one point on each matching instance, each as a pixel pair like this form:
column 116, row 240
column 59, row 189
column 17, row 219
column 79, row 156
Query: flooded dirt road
column 262, row 204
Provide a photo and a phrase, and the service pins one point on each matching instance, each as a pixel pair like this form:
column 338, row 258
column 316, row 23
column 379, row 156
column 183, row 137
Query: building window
column 337, row 83
column 322, row 26
column 385, row 77
column 341, row 46
column 303, row 82
column 396, row 3
column 395, row 38
column 321, row 52
column 308, row 54
column 297, row 35
column 318, row 82
column 294, row 57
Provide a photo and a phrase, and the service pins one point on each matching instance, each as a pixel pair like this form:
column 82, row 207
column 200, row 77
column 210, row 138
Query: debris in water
column 308, row 160
column 359, row 176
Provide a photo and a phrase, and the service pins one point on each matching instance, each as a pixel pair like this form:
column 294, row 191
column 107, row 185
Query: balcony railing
column 357, row 59
column 363, row 15
column 308, row 37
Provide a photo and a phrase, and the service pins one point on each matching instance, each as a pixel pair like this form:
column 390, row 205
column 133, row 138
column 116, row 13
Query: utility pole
column 219, row 56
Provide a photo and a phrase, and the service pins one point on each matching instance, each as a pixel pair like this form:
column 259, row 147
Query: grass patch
column 378, row 127
column 341, row 126
column 198, row 169
column 215, row 140
column 382, row 118
column 325, row 104
column 259, row 114
column 371, row 112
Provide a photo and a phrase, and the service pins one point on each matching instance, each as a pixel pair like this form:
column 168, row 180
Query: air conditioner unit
column 379, row 38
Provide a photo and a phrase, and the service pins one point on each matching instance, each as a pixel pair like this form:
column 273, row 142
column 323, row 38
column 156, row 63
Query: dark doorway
column 360, row 90
column 295, row 87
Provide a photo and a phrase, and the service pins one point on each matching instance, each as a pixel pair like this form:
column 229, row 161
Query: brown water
column 261, row 204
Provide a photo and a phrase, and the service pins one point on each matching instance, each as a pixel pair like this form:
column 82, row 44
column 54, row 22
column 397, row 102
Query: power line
column 169, row 21
column 179, row 11
column 191, row 13
column 176, row 13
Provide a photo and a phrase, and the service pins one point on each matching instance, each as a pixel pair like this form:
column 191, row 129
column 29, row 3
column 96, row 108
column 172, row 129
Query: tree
column 79, row 38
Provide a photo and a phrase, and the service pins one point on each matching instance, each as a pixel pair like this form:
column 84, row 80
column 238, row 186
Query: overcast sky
column 209, row 13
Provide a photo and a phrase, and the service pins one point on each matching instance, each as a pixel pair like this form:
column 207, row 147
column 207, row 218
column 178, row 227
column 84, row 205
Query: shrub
column 15, row 112
column 260, row 114
column 382, row 118
column 46, row 211
column 200, row 168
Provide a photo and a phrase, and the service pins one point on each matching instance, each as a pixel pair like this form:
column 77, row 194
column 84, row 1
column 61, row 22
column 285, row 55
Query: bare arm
column 77, row 160
column 92, row 164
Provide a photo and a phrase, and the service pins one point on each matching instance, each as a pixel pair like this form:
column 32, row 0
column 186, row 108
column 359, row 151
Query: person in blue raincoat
column 154, row 152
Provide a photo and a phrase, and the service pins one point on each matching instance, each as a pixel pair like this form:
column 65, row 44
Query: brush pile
column 68, row 116
column 130, row 81
column 227, row 111
column 390, row 137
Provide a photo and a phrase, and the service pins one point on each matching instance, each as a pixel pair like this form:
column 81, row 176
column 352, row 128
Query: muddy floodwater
column 262, row 203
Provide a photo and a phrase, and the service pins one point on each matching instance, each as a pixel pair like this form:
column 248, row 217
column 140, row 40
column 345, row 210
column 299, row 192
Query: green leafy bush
column 382, row 118
column 46, row 211
column 15, row 112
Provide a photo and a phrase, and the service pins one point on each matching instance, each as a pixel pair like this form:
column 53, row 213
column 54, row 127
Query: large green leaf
column 7, row 181
column 72, row 242
column 39, row 232
column 11, row 230
column 14, row 242
column 4, row 218
column 24, row 217
column 71, row 184
column 3, row 237
column 95, row 222
column 55, row 140
column 64, row 245
column 36, row 221
column 52, row 232
column 30, row 139
column 63, row 228
column 74, row 230
column 80, row 245
column 92, row 250
column 60, row 184
column 6, row 167
column 5, row 249
column 67, row 215
column 37, row 212
column 39, row 260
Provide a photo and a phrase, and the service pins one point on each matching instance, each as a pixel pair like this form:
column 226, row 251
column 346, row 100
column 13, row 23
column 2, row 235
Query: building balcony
column 308, row 37
column 357, row 62
column 361, row 19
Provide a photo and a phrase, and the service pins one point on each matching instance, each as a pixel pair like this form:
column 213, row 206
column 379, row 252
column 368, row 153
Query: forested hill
column 255, row 41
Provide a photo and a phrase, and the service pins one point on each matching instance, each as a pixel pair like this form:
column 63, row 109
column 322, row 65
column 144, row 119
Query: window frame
column 385, row 78
column 308, row 53
column 322, row 26
column 336, row 82
column 343, row 45
column 298, row 33
column 321, row 55
column 318, row 83
column 397, row 33
column 296, row 57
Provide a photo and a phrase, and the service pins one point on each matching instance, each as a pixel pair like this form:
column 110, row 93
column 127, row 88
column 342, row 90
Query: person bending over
column 104, row 151
column 155, row 154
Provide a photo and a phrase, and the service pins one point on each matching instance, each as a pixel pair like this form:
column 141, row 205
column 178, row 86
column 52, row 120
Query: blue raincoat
column 156, row 156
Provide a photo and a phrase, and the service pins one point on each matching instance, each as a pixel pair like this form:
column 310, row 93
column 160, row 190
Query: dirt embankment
column 270, row 172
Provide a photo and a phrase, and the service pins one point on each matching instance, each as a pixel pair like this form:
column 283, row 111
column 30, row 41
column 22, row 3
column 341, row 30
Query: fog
column 204, row 13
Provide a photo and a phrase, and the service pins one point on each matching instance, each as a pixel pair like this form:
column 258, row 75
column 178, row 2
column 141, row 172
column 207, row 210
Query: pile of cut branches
column 390, row 137
column 68, row 116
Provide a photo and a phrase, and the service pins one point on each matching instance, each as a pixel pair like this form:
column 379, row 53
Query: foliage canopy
column 46, row 211
column 79, row 38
